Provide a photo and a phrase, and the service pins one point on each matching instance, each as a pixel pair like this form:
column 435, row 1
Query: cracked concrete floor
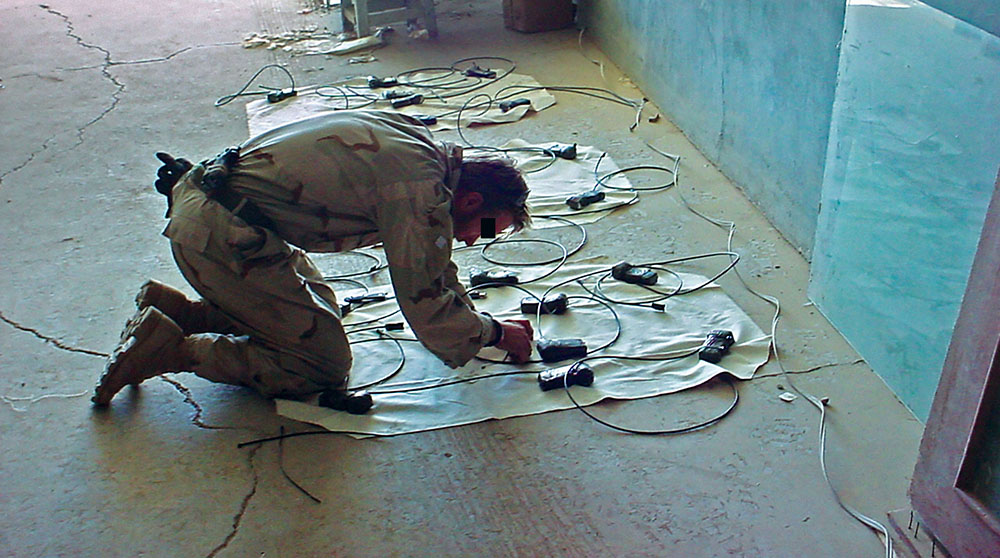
column 90, row 89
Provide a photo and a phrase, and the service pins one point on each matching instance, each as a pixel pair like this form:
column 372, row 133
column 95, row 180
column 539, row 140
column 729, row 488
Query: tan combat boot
column 172, row 302
column 152, row 344
column 169, row 300
column 193, row 316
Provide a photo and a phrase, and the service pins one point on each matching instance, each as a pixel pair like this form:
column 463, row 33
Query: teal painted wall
column 751, row 82
column 896, row 135
column 984, row 14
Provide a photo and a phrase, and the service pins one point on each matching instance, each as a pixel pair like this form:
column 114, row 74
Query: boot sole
column 154, row 294
column 146, row 337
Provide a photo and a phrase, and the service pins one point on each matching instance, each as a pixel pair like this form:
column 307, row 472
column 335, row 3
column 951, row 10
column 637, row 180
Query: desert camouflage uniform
column 329, row 183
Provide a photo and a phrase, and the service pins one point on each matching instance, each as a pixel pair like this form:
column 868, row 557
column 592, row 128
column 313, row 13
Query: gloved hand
column 517, row 339
column 171, row 171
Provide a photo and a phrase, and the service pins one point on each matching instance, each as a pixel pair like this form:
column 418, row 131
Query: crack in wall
column 238, row 518
column 52, row 340
column 808, row 370
column 189, row 399
column 720, row 141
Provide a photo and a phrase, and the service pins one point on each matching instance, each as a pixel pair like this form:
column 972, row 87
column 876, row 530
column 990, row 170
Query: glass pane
column 913, row 155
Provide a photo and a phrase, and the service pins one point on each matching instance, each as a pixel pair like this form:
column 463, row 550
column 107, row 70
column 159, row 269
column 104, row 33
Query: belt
column 215, row 184
column 241, row 207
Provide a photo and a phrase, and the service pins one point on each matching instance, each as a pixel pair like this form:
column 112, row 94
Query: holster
column 215, row 184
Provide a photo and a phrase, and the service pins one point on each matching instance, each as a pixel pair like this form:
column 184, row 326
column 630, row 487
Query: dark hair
column 500, row 184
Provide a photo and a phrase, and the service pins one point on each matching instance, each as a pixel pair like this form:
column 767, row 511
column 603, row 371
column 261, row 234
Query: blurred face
column 470, row 229
column 471, row 221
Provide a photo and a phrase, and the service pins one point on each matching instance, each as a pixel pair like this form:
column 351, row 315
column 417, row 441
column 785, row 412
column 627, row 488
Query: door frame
column 969, row 387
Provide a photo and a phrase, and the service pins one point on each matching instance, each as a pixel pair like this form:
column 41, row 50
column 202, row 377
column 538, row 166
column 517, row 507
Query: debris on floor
column 363, row 59
column 272, row 41
column 372, row 41
column 312, row 41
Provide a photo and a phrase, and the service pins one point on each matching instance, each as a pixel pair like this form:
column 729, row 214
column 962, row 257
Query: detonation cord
column 484, row 102
column 410, row 389
column 462, row 86
column 379, row 266
column 659, row 432
column 461, row 81
column 281, row 465
column 820, row 404
column 226, row 99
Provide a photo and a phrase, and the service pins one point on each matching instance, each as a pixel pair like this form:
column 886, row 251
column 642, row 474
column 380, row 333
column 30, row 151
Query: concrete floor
column 92, row 88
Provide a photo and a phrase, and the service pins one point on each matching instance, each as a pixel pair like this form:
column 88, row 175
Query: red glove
column 516, row 339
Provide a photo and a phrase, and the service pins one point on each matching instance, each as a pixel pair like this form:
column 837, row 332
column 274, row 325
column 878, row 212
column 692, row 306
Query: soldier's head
column 489, row 188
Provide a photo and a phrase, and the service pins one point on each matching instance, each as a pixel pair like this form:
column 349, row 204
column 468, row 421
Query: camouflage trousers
column 280, row 326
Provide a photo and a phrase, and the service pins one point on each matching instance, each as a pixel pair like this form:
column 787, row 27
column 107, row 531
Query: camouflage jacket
column 349, row 179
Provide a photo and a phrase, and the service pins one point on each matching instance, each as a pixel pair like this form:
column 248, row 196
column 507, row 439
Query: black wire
column 597, row 165
column 399, row 368
column 373, row 320
column 281, row 465
column 488, row 103
column 599, row 291
column 562, row 259
column 661, row 432
column 370, row 98
column 618, row 322
column 446, row 72
column 596, row 188
column 453, row 382
column 462, row 87
column 458, row 123
column 567, row 253
column 348, row 281
column 734, row 258
column 226, row 99
column 455, row 65
column 597, row 209
column 538, row 327
column 602, row 180
column 576, row 404
column 595, row 92
column 371, row 328
column 379, row 266
column 552, row 157
column 304, row 433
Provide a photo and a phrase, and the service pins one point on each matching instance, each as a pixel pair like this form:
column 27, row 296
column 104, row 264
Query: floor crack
column 808, row 370
column 115, row 97
column 147, row 60
column 25, row 163
column 51, row 340
column 189, row 399
column 238, row 518
column 120, row 87
column 108, row 62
